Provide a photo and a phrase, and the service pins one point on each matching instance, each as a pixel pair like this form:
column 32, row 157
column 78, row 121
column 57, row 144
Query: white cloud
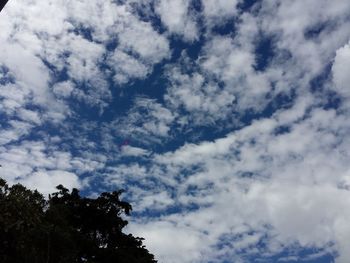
column 203, row 99
column 128, row 150
column 147, row 121
column 29, row 115
column 176, row 17
column 63, row 89
column 41, row 166
column 127, row 67
column 117, row 175
column 158, row 201
column 28, row 71
column 15, row 131
column 233, row 65
column 294, row 20
column 216, row 11
column 47, row 181
column 141, row 38
column 84, row 58
column 341, row 76
column 167, row 234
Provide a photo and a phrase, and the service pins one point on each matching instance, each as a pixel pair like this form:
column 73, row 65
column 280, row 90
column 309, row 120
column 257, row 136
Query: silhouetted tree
column 2, row 4
column 65, row 228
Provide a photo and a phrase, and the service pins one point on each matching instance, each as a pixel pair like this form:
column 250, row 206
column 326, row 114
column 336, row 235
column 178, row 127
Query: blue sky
column 227, row 122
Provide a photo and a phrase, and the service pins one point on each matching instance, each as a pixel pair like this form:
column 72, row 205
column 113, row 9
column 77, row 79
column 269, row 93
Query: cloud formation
column 236, row 116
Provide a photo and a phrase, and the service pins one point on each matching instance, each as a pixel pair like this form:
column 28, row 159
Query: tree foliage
column 65, row 228
column 2, row 4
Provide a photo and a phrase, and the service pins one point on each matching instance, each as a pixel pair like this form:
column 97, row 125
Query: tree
column 2, row 4
column 65, row 228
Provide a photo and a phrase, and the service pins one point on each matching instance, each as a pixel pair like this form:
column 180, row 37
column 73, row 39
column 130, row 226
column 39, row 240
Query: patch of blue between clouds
column 246, row 5
column 328, row 98
column 299, row 254
column 264, row 53
column 255, row 253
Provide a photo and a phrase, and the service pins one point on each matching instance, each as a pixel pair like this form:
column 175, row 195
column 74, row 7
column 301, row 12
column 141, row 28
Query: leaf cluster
column 65, row 228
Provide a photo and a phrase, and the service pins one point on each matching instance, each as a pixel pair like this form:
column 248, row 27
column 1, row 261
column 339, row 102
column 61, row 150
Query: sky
column 227, row 122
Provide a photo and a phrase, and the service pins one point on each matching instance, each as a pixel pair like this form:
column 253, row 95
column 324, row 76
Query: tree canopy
column 2, row 4
column 65, row 228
